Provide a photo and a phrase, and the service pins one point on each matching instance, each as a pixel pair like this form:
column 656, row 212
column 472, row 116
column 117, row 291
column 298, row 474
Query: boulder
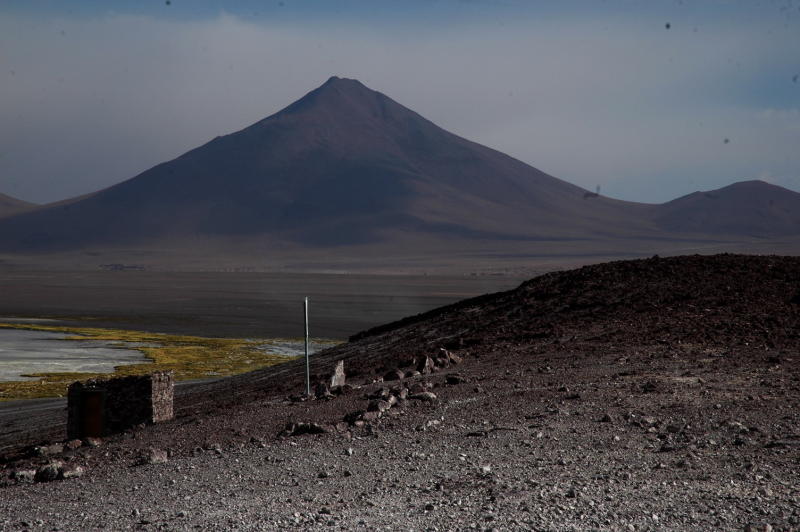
column 338, row 377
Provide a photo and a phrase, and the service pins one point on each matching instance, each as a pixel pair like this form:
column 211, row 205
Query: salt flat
column 25, row 352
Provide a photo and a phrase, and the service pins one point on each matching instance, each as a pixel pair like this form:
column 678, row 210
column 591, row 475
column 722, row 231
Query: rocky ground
column 647, row 395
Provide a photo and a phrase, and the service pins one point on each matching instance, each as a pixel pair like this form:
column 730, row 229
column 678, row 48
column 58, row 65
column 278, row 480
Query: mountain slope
column 342, row 165
column 751, row 208
column 10, row 206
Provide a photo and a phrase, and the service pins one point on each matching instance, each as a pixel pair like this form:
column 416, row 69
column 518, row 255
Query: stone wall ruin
column 100, row 407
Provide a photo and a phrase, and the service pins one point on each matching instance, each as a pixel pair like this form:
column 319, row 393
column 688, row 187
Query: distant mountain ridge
column 10, row 206
column 346, row 165
column 752, row 208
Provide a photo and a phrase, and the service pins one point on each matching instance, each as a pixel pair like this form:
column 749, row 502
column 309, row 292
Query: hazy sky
column 635, row 97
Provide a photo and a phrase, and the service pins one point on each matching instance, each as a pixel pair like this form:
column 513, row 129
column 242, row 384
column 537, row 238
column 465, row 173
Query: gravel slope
column 645, row 395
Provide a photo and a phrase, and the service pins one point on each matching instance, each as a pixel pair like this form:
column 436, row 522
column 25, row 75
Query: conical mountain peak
column 343, row 95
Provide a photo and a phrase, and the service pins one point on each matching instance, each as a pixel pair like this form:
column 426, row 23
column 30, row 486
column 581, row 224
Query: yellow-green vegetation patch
column 189, row 357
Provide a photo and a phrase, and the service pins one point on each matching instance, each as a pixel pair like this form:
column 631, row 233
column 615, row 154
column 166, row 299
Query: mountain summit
column 343, row 165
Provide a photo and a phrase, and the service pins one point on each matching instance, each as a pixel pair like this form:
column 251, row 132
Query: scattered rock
column 298, row 429
column 24, row 475
column 378, row 405
column 380, row 393
column 338, row 378
column 428, row 397
column 93, row 442
column 48, row 450
column 455, row 378
column 352, row 417
column 425, row 365
column 606, row 419
column 394, row 375
column 48, row 472
column 71, row 471
column 73, row 444
column 322, row 391
column 419, row 387
column 153, row 456
column 371, row 415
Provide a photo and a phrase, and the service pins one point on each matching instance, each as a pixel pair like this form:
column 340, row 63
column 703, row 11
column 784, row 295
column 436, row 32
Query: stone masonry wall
column 99, row 407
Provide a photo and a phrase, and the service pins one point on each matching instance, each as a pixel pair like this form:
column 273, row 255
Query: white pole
column 308, row 363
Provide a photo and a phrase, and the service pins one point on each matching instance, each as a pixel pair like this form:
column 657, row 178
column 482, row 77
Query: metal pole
column 308, row 363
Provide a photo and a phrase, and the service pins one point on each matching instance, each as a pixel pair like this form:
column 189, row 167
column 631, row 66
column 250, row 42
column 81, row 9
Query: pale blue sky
column 596, row 93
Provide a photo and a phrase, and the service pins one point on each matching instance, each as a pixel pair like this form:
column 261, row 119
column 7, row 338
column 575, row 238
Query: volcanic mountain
column 10, row 206
column 346, row 165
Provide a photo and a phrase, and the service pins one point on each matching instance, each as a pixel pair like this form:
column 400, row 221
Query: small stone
column 349, row 451
column 380, row 393
column 71, row 471
column 428, row 397
column 93, row 442
column 425, row 365
column 378, row 406
column 154, row 456
column 322, row 391
column 371, row 416
column 394, row 375
column 606, row 418
column 455, row 378
column 24, row 475
column 298, row 429
column 48, row 450
column 430, row 507
column 323, row 474
column 48, row 472
column 73, row 444
column 485, row 469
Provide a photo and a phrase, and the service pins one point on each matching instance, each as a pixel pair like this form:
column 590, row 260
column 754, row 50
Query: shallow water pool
column 24, row 352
